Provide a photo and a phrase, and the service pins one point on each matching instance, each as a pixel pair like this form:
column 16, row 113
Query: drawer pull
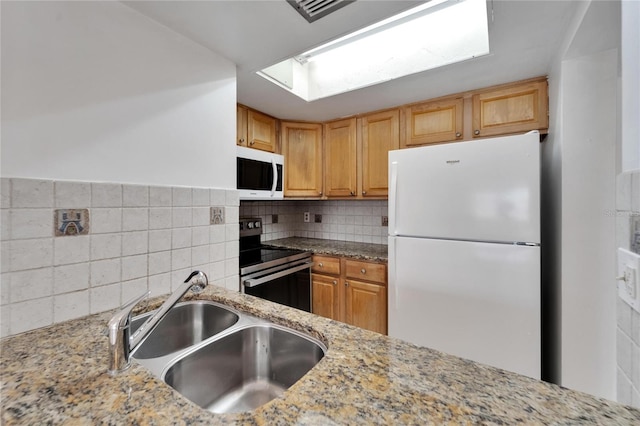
column 364, row 271
column 320, row 265
column 335, row 282
column 346, row 283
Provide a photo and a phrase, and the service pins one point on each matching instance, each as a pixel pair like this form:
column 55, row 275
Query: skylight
column 434, row 34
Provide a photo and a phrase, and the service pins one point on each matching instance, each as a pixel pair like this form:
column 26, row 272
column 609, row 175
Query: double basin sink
column 223, row 360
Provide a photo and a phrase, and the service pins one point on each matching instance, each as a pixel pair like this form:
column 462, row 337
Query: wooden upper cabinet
column 378, row 133
column 302, row 150
column 433, row 122
column 241, row 122
column 262, row 131
column 340, row 158
column 507, row 109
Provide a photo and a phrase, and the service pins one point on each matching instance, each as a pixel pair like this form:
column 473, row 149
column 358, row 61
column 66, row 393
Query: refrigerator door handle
column 393, row 283
column 393, row 197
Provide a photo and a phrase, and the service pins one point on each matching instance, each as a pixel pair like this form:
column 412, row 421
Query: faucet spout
column 121, row 344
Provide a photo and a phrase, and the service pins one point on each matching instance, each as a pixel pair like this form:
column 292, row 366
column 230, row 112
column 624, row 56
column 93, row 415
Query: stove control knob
column 250, row 225
column 257, row 224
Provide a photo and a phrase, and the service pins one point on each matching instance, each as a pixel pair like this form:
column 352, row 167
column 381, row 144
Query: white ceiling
column 524, row 37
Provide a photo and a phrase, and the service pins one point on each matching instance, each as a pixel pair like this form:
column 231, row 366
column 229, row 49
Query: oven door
column 288, row 284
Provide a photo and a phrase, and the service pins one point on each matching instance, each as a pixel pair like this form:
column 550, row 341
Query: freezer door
column 475, row 300
column 482, row 190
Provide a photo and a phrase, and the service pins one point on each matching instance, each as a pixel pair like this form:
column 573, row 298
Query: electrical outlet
column 217, row 215
column 318, row 218
column 628, row 279
column 274, row 218
column 307, row 217
column 385, row 221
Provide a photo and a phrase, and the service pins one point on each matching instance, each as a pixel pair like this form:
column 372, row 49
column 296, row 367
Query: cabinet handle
column 364, row 271
column 320, row 193
column 364, row 192
column 335, row 282
column 458, row 134
column 346, row 283
column 352, row 193
column 477, row 132
column 320, row 265
column 241, row 140
column 252, row 142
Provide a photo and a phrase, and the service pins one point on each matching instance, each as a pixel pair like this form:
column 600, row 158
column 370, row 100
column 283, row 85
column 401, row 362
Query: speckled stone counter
column 57, row 375
column 365, row 251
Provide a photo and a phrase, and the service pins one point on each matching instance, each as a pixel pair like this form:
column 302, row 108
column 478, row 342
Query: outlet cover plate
column 629, row 287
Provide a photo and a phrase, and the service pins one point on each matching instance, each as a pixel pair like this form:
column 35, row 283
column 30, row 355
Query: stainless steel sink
column 244, row 369
column 186, row 324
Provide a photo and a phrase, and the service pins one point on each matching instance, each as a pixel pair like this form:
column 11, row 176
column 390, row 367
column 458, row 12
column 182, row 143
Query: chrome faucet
column 121, row 345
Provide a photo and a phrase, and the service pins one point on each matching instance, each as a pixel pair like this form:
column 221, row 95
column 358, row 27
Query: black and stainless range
column 275, row 274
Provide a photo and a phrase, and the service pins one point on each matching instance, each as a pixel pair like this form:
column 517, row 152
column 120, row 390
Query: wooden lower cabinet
column 337, row 295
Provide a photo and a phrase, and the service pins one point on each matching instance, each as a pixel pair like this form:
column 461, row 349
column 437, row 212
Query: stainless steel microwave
column 260, row 174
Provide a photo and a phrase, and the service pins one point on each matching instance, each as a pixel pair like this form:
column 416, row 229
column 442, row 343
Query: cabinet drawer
column 376, row 272
column 326, row 265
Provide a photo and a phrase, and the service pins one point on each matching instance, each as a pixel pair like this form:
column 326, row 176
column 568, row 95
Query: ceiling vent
column 312, row 10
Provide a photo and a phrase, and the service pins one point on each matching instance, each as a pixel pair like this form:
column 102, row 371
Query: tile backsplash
column 140, row 238
column 628, row 320
column 344, row 220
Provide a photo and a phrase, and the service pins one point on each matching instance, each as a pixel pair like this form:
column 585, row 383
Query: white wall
column 630, row 85
column 579, row 161
column 94, row 91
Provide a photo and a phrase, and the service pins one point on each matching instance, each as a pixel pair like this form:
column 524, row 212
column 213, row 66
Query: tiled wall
column 628, row 328
column 346, row 220
column 140, row 238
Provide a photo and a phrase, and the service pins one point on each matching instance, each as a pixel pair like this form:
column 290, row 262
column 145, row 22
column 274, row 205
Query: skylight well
column 434, row 34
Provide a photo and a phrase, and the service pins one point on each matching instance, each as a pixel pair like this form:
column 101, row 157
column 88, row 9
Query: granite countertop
column 364, row 251
column 58, row 375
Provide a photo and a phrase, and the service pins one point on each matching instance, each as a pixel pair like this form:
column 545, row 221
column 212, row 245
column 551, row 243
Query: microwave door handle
column 275, row 177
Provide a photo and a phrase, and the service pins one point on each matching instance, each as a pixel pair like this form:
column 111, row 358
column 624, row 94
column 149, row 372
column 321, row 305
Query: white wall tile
column 232, row 249
column 217, row 252
column 635, row 366
column 134, row 267
column 232, row 215
column 135, row 243
column 159, row 240
column 160, row 284
column 30, row 223
column 635, row 328
column 201, row 216
column 180, row 238
column 180, row 259
column 135, row 196
column 217, row 271
column 233, row 283
column 160, row 218
column 217, row 234
column 5, row 193
column 635, row 191
column 106, row 195
column 72, row 195
column 623, row 314
column 5, row 284
column 181, row 197
column 31, row 284
column 70, row 278
column 200, row 235
column 73, row 249
column 181, row 217
column 132, row 289
column 70, row 305
column 135, row 219
column 103, row 272
column 31, row 254
column 232, row 232
column 30, row 193
column 106, row 246
column 231, row 267
column 159, row 262
column 160, row 196
column 5, row 321
column 5, row 225
column 104, row 298
column 232, row 197
column 200, row 255
column 623, row 350
column 200, row 196
column 31, row 314
column 635, row 398
column 218, row 197
column 5, row 256
column 623, row 387
column 178, row 277
column 105, row 220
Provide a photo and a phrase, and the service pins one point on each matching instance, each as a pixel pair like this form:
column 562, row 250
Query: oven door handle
column 257, row 281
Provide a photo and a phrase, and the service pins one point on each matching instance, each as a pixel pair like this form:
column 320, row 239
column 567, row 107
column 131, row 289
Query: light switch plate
column 629, row 278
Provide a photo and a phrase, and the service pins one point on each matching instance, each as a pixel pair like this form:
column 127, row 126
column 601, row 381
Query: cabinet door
column 340, row 158
column 433, row 122
column 241, row 125
column 261, row 131
column 512, row 109
column 302, row 150
column 380, row 133
column 325, row 296
column 366, row 305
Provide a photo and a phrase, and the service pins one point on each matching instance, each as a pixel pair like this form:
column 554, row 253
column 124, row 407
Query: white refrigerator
column 464, row 250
